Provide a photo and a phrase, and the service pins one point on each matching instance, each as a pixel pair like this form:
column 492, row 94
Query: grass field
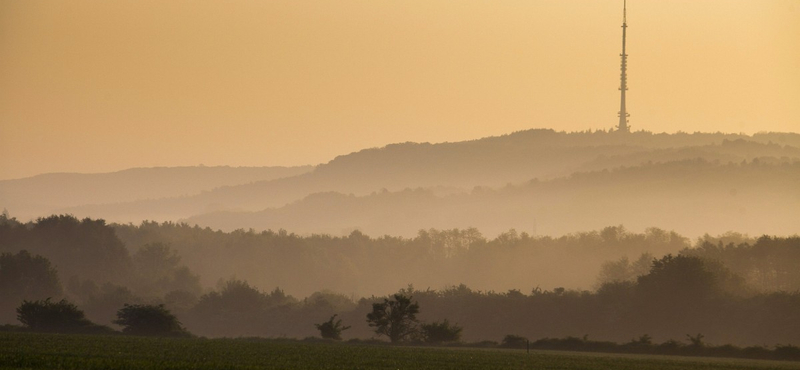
column 54, row 351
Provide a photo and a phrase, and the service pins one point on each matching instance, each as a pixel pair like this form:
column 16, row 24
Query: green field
column 54, row 351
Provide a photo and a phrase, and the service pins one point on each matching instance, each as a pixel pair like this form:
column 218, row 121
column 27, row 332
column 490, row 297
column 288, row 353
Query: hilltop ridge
column 455, row 169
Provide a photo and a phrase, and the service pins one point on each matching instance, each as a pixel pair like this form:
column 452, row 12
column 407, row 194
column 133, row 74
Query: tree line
column 706, row 289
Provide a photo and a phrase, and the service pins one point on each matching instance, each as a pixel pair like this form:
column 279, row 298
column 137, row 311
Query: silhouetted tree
column 767, row 263
column 25, row 277
column 514, row 341
column 57, row 317
column 439, row 332
column 687, row 279
column 331, row 329
column 102, row 306
column 151, row 320
column 624, row 270
column 86, row 248
column 237, row 309
column 158, row 271
column 394, row 318
column 7, row 220
column 696, row 340
column 643, row 340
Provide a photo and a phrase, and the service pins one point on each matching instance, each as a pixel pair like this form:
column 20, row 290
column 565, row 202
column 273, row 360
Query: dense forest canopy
column 489, row 236
column 732, row 288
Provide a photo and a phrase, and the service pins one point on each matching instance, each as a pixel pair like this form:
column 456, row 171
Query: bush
column 331, row 329
column 756, row 352
column 25, row 276
column 57, row 317
column 670, row 347
column 12, row 328
column 440, row 332
column 150, row 320
column 788, row 352
column 483, row 344
column 643, row 344
column 514, row 341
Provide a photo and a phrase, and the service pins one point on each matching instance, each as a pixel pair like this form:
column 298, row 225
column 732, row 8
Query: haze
column 97, row 86
column 254, row 167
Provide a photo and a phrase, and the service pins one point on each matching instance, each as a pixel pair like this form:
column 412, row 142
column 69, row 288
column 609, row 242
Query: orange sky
column 90, row 86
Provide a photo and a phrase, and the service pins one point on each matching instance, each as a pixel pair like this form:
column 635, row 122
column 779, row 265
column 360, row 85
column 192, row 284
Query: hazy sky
column 93, row 86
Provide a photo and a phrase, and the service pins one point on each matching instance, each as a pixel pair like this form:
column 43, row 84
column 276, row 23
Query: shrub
column 57, row 317
column 331, row 329
column 483, row 344
column 670, row 347
column 25, row 276
column 151, row 320
column 696, row 340
column 756, row 352
column 440, row 332
column 787, row 352
column 514, row 341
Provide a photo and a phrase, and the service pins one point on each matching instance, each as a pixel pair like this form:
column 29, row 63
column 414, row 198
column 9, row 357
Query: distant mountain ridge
column 689, row 196
column 489, row 162
column 44, row 194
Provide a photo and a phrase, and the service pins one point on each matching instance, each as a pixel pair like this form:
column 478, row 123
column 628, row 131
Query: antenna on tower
column 624, row 11
column 623, row 86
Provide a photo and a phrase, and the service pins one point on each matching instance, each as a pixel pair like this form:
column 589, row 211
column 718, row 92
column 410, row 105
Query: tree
column 88, row 249
column 696, row 340
column 683, row 280
column 25, row 277
column 102, row 306
column 158, row 271
column 57, row 317
column 152, row 320
column 331, row 329
column 514, row 341
column 440, row 332
column 6, row 219
column 624, row 270
column 395, row 318
column 237, row 309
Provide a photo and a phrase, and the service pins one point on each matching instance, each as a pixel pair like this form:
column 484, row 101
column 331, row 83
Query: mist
column 361, row 175
column 245, row 283
column 541, row 182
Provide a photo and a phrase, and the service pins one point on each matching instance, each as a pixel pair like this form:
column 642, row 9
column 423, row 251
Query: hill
column 44, row 194
column 489, row 162
column 691, row 197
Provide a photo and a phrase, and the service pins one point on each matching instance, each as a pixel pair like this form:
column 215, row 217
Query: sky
column 98, row 86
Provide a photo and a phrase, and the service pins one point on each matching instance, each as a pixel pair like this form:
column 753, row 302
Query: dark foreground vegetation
column 727, row 290
column 645, row 345
column 48, row 351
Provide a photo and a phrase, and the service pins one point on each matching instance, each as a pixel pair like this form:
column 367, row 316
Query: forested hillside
column 610, row 284
column 759, row 196
column 41, row 195
column 447, row 167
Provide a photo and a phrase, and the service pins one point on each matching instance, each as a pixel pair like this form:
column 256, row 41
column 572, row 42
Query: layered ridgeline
column 690, row 197
column 45, row 194
column 540, row 181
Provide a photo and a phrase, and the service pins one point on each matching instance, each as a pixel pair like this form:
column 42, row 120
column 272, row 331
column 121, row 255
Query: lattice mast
column 623, row 86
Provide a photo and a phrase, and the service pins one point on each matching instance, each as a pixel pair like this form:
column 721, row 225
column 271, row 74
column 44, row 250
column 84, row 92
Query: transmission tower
column 623, row 86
